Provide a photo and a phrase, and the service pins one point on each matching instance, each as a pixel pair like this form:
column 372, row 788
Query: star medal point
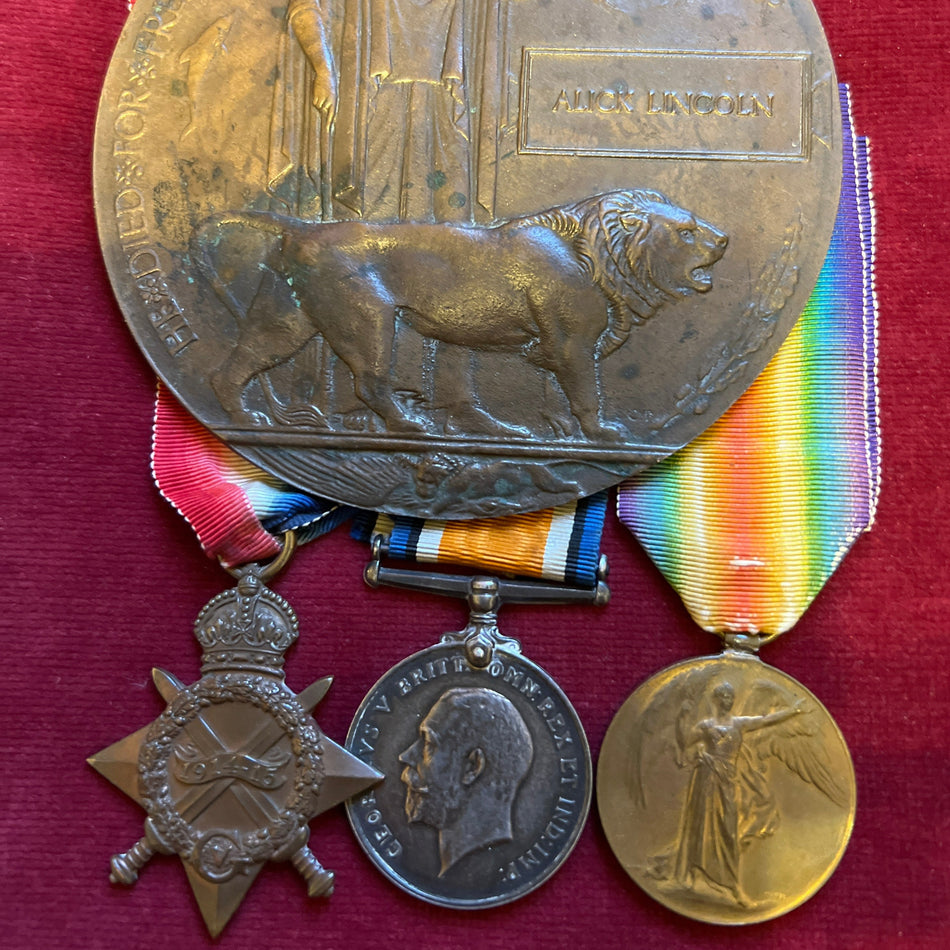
column 233, row 770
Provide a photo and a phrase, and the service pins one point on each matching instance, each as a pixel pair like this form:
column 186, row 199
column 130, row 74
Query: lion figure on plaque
column 563, row 288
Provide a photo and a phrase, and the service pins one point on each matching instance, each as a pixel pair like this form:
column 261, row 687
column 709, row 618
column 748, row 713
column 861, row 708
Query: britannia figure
column 371, row 121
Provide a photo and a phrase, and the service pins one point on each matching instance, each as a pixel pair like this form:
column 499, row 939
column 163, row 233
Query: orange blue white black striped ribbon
column 560, row 544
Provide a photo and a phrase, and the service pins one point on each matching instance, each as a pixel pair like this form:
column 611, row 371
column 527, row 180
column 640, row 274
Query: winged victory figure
column 730, row 745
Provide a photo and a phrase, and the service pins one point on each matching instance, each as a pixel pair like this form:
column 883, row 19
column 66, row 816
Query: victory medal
column 724, row 786
column 726, row 789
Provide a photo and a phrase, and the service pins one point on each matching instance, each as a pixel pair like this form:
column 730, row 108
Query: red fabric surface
column 107, row 579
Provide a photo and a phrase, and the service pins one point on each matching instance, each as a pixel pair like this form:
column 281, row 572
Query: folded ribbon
column 749, row 520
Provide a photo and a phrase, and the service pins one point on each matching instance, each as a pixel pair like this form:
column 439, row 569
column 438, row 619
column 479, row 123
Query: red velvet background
column 106, row 579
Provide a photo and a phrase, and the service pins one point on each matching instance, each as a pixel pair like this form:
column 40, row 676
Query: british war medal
column 487, row 769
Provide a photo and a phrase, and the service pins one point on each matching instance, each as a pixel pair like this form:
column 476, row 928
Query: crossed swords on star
column 260, row 809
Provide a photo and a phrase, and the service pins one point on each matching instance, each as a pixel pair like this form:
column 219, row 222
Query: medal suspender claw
column 488, row 770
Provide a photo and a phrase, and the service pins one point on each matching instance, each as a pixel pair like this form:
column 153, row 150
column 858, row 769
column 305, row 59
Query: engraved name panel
column 666, row 104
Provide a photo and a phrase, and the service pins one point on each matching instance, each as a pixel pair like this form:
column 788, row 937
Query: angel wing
column 794, row 741
column 677, row 705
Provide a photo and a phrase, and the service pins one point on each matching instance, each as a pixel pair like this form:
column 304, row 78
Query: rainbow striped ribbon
column 749, row 520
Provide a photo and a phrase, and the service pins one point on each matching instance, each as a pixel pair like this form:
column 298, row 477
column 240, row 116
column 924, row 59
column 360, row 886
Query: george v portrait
column 463, row 772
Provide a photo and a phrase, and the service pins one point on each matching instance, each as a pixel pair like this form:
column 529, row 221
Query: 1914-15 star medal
column 235, row 767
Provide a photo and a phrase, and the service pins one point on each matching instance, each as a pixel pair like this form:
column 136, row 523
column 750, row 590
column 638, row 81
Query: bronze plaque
column 464, row 257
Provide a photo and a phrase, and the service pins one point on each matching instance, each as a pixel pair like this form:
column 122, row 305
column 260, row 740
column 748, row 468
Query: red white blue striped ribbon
column 239, row 511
